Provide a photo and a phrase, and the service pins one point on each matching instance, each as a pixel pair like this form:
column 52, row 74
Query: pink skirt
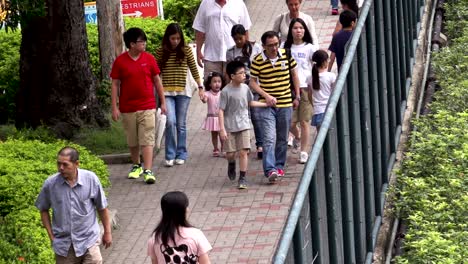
column 211, row 123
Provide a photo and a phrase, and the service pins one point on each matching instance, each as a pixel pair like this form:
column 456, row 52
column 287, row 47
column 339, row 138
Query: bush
column 433, row 184
column 9, row 73
column 24, row 165
column 182, row 11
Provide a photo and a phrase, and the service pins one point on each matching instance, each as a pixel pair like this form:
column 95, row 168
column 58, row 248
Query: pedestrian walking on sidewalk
column 135, row 74
column 339, row 41
column 299, row 42
column 75, row 196
column 245, row 51
column 320, row 85
column 234, row 120
column 213, row 24
column 271, row 75
column 281, row 23
column 213, row 85
column 175, row 59
column 174, row 240
column 351, row 5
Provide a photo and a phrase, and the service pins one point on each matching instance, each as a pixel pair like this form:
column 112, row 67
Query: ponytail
column 315, row 77
column 319, row 60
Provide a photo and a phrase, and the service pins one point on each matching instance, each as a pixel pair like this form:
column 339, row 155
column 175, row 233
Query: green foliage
column 182, row 11
column 9, row 73
column 103, row 141
column 433, row 184
column 456, row 15
column 24, row 165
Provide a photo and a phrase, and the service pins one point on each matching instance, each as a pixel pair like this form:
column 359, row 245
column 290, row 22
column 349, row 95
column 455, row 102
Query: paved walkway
column 243, row 226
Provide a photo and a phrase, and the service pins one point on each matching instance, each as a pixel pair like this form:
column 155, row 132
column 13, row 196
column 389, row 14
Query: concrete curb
column 121, row 158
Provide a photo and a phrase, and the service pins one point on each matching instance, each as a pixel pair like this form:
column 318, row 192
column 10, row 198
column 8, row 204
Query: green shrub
column 9, row 73
column 433, row 184
column 182, row 11
column 24, row 165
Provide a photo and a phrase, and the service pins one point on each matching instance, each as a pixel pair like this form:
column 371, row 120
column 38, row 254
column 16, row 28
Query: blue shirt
column 338, row 45
column 74, row 219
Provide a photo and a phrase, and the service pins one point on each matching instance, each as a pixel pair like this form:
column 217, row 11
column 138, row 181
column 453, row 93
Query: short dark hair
column 238, row 29
column 347, row 17
column 269, row 34
column 70, row 152
column 233, row 66
column 132, row 35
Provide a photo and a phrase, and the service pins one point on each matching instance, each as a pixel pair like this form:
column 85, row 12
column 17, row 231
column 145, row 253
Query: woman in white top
column 302, row 50
column 281, row 24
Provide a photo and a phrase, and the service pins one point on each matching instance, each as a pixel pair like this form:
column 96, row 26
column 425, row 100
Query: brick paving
column 243, row 226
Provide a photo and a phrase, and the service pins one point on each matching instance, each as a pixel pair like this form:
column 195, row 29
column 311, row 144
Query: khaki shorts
column 237, row 141
column 92, row 256
column 213, row 66
column 140, row 127
column 305, row 109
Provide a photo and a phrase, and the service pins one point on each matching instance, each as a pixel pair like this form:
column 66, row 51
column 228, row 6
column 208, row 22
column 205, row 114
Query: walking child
column 135, row 74
column 340, row 39
column 174, row 240
column 234, row 120
column 320, row 86
column 213, row 85
column 244, row 51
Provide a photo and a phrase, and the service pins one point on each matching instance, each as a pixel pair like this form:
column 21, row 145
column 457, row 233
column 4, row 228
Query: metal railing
column 337, row 211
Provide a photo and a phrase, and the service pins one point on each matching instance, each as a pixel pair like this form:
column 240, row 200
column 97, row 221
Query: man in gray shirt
column 74, row 195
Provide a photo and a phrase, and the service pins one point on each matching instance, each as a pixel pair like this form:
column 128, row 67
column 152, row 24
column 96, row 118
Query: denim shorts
column 317, row 119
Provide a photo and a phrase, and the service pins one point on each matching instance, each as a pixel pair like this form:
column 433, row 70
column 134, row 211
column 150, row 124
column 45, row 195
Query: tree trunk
column 57, row 88
column 111, row 28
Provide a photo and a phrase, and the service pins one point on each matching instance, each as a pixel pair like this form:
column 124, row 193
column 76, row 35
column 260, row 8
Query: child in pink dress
column 213, row 86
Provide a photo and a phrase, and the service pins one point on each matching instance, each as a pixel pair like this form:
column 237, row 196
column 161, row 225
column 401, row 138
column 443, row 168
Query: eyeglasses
column 141, row 41
column 273, row 45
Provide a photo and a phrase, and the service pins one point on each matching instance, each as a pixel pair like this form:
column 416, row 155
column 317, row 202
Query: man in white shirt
column 213, row 24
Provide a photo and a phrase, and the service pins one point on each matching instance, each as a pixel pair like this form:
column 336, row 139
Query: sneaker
column 303, row 157
column 296, row 145
column 135, row 171
column 215, row 152
column 232, row 171
column 169, row 163
column 272, row 176
column 290, row 141
column 242, row 183
column 334, row 11
column 280, row 173
column 149, row 177
column 179, row 162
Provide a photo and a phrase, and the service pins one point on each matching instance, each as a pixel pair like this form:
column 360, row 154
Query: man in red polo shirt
column 134, row 75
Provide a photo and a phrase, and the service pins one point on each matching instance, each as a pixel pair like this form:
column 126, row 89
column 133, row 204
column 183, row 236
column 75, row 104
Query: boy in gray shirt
column 234, row 120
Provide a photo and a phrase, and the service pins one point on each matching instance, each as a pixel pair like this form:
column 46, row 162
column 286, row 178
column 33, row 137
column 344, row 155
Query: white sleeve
column 245, row 18
column 199, row 22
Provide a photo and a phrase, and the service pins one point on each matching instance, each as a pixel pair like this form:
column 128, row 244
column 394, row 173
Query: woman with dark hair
column 299, row 42
column 351, row 5
column 174, row 240
column 281, row 24
column 174, row 59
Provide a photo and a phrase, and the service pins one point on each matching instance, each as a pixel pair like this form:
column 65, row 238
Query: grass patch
column 103, row 141
column 98, row 141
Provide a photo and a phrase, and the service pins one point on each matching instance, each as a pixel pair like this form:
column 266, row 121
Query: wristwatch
column 200, row 87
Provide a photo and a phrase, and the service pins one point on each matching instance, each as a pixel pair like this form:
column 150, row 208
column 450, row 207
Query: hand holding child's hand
column 223, row 135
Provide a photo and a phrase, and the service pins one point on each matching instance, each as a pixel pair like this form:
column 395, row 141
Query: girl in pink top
column 174, row 240
column 213, row 86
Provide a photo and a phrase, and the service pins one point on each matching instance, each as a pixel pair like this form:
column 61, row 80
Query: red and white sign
column 140, row 8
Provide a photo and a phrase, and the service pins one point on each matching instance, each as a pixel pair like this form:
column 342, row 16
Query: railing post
column 396, row 61
column 374, row 107
column 402, row 48
column 366, row 135
column 297, row 244
column 390, row 74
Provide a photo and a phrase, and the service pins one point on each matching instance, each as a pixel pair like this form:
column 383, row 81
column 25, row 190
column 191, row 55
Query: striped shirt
column 174, row 74
column 274, row 76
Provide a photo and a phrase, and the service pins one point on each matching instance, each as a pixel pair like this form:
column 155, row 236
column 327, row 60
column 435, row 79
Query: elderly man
column 271, row 75
column 74, row 195
column 213, row 24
